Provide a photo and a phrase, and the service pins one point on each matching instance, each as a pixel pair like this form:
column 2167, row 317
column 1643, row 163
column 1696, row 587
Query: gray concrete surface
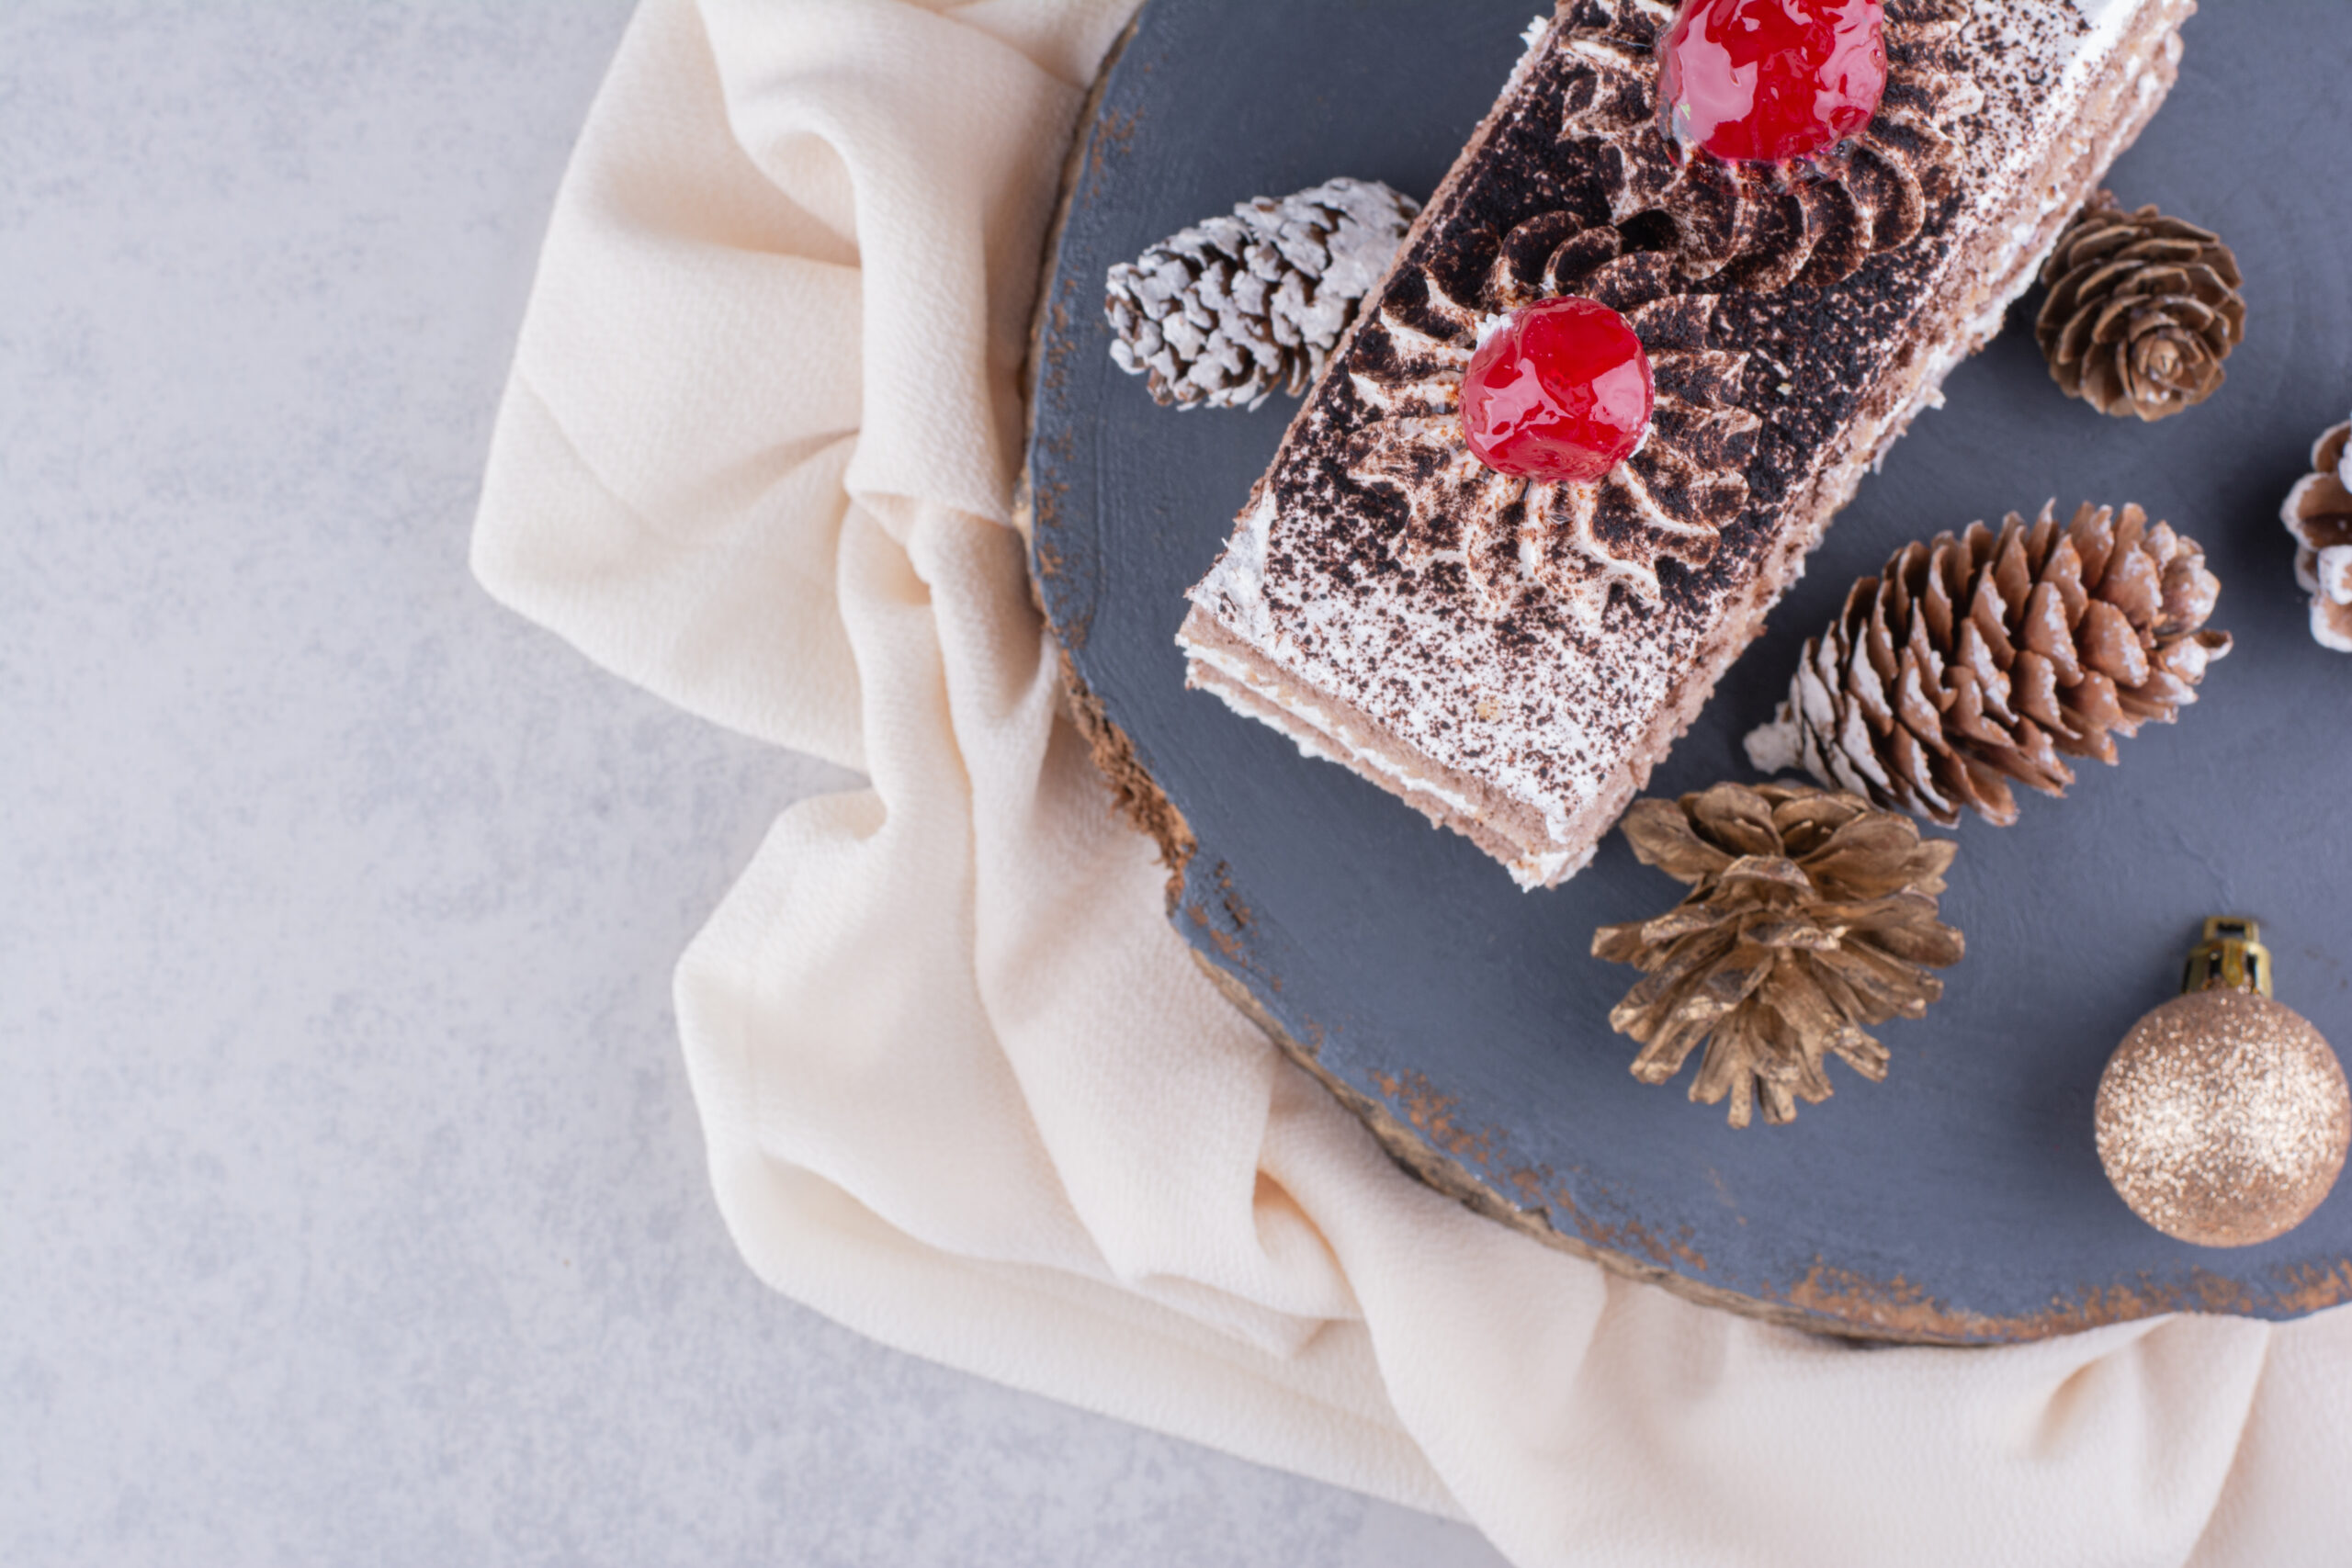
column 351, row 1200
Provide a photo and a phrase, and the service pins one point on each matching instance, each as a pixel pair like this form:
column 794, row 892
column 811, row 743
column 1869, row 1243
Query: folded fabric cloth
column 965, row 1091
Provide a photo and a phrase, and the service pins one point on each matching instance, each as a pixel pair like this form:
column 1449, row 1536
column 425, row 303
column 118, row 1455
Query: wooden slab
column 1960, row 1201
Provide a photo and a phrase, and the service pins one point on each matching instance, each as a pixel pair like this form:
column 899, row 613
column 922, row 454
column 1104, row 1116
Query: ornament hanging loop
column 2230, row 958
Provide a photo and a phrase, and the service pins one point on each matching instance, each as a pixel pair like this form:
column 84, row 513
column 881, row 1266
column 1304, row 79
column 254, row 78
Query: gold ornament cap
column 2230, row 958
column 2224, row 1118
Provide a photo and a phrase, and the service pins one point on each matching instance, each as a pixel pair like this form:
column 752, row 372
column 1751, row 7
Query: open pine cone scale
column 1809, row 915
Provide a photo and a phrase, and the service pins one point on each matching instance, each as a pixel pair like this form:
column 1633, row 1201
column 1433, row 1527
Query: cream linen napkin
column 963, row 1088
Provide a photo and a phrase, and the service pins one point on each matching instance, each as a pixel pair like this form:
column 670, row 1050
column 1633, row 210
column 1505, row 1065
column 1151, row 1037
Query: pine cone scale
column 1736, row 818
column 1915, row 946
column 1916, row 766
column 2190, row 596
column 1921, row 723
column 1967, row 717
column 2094, row 708
column 1769, row 869
column 1693, row 956
column 2048, row 624
column 1662, row 835
column 2133, row 582
column 2034, row 688
column 1812, row 1015
column 1672, row 927
column 2111, row 644
column 1876, row 858
column 2037, row 759
column 1661, row 1059
column 1793, row 934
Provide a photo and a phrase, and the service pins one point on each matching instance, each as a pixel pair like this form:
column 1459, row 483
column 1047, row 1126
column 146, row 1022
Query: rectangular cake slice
column 1513, row 657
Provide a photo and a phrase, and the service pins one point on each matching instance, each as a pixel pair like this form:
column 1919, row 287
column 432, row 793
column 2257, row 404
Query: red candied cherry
column 1758, row 80
column 1559, row 391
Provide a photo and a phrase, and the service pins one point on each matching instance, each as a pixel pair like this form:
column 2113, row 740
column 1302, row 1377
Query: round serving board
column 1961, row 1199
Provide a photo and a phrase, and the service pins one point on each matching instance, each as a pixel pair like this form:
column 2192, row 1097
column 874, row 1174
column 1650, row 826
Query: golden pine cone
column 2142, row 310
column 1810, row 914
column 2319, row 514
column 1970, row 662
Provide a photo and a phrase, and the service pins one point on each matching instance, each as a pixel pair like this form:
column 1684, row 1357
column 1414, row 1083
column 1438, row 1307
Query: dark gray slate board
column 1961, row 1200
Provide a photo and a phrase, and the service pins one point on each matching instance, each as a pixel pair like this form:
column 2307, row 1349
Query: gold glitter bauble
column 2224, row 1119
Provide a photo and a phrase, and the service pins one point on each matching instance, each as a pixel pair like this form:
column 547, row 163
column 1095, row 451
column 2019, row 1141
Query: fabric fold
column 963, row 1086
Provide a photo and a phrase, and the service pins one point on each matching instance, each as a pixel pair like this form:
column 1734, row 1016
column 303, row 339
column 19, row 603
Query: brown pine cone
column 2143, row 308
column 1229, row 311
column 1970, row 662
column 2319, row 514
column 1809, row 915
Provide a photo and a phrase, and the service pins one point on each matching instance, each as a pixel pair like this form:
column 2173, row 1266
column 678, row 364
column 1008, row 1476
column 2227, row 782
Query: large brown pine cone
column 1970, row 662
column 1809, row 915
column 2319, row 514
column 1227, row 311
column 2142, row 310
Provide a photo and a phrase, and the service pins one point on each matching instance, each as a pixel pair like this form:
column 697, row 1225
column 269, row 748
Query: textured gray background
column 350, row 1200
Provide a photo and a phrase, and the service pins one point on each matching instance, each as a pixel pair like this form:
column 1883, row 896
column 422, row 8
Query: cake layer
column 1514, row 657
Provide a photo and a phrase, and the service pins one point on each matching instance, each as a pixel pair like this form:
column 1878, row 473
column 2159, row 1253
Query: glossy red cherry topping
column 1561, row 392
column 1759, row 81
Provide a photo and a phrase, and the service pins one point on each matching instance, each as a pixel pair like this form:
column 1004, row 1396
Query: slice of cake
column 1513, row 655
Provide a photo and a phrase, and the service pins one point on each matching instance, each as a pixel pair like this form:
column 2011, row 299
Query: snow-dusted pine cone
column 1970, row 663
column 2143, row 310
column 1810, row 914
column 1230, row 310
column 2319, row 514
